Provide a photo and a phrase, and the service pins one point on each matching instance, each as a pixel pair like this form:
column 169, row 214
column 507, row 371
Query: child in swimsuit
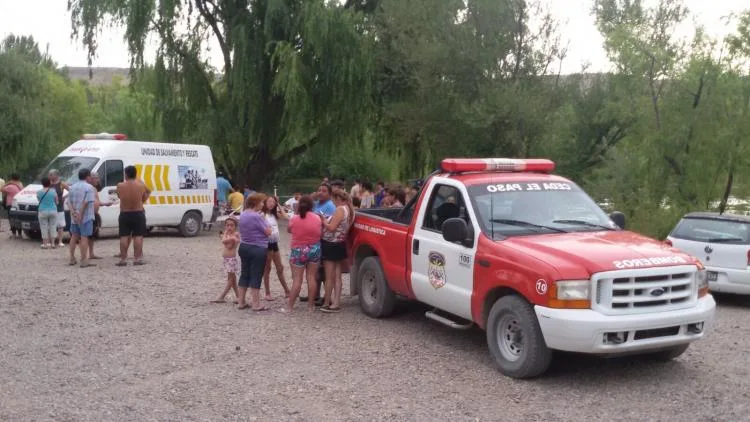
column 231, row 240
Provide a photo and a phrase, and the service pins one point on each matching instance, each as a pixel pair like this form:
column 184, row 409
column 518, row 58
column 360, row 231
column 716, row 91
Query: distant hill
column 99, row 75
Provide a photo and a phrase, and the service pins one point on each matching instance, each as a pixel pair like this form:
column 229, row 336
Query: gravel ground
column 143, row 343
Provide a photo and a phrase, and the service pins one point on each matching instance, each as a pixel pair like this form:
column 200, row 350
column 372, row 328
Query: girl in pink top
column 305, row 228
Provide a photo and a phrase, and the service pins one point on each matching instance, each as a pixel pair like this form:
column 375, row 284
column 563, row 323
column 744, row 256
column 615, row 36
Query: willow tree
column 293, row 73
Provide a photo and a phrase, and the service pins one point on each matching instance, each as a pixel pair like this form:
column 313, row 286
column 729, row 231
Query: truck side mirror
column 618, row 218
column 455, row 230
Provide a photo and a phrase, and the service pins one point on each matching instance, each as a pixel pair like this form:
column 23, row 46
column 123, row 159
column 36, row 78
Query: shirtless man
column 133, row 193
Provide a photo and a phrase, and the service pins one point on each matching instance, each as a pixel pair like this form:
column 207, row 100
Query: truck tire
column 667, row 355
column 191, row 224
column 33, row 234
column 375, row 296
column 515, row 340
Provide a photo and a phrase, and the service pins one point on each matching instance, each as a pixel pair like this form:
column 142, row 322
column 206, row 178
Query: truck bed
column 391, row 214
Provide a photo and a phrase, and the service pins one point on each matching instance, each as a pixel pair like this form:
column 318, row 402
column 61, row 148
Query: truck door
column 110, row 174
column 441, row 271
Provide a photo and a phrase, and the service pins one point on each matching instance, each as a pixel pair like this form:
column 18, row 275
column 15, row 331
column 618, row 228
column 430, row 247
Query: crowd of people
column 318, row 225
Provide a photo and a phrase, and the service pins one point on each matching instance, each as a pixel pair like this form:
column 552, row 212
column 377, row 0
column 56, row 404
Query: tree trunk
column 258, row 169
column 727, row 190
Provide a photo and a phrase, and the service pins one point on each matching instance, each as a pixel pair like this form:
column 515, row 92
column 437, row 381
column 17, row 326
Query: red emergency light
column 104, row 136
column 462, row 165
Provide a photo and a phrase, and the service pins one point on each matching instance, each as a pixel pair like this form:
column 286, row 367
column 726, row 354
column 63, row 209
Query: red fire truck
column 530, row 258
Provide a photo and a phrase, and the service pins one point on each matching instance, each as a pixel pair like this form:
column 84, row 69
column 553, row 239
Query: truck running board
column 433, row 315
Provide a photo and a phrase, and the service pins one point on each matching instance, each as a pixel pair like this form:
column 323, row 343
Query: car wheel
column 191, row 224
column 515, row 340
column 376, row 298
column 667, row 355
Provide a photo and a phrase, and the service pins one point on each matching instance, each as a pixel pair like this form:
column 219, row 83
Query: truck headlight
column 702, row 281
column 571, row 294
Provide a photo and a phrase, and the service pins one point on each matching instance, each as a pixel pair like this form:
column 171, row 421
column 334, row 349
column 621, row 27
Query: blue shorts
column 84, row 230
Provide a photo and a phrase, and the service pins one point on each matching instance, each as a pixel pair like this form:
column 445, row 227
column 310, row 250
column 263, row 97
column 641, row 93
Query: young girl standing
column 273, row 212
column 231, row 240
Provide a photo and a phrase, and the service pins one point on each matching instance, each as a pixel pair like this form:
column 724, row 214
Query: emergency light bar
column 103, row 136
column 461, row 165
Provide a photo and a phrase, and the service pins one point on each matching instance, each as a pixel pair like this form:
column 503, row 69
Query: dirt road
column 143, row 343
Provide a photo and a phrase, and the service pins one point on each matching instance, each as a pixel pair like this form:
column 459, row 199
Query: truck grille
column 32, row 208
column 645, row 290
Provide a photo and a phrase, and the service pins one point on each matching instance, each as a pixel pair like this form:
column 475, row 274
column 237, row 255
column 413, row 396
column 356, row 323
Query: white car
column 722, row 242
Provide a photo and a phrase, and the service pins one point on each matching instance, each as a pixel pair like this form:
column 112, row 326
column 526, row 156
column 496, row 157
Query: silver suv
column 722, row 242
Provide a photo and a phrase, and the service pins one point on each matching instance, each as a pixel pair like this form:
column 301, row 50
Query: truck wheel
column 33, row 234
column 668, row 354
column 515, row 340
column 375, row 296
column 191, row 224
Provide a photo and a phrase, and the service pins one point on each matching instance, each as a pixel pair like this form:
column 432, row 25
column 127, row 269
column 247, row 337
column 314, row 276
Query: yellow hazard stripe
column 165, row 177
column 179, row 199
column 157, row 177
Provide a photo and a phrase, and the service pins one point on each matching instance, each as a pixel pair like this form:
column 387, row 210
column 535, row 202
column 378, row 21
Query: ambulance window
column 112, row 171
column 446, row 202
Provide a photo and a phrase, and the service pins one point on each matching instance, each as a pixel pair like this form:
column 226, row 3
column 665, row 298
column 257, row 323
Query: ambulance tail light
column 462, row 165
column 104, row 136
column 570, row 294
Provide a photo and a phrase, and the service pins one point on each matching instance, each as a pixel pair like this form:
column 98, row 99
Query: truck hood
column 596, row 252
column 28, row 195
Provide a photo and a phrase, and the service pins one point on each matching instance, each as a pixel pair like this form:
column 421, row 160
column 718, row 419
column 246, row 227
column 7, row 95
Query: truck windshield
column 68, row 168
column 527, row 208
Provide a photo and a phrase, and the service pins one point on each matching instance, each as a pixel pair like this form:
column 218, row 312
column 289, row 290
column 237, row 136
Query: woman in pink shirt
column 305, row 228
column 10, row 190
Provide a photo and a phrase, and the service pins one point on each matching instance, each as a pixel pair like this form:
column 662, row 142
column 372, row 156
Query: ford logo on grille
column 656, row 292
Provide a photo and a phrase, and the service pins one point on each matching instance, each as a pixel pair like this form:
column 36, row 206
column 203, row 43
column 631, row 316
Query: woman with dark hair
column 335, row 230
column 305, row 254
column 254, row 233
column 272, row 213
column 366, row 197
column 47, row 213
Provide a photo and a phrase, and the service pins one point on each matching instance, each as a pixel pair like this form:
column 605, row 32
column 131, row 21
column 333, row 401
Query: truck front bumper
column 587, row 331
column 29, row 220
column 24, row 220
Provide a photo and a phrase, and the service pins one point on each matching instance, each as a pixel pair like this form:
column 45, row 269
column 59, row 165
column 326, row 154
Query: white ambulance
column 182, row 179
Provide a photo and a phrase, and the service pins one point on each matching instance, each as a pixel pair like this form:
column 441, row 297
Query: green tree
column 295, row 73
column 40, row 110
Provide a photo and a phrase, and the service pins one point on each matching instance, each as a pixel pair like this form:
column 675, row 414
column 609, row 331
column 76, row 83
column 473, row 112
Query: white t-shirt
column 290, row 204
column 274, row 238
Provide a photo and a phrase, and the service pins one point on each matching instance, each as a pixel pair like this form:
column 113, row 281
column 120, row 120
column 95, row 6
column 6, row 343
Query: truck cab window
column 111, row 172
column 446, row 202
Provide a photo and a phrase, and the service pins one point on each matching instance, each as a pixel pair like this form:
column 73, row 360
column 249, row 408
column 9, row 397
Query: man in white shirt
column 356, row 189
column 291, row 203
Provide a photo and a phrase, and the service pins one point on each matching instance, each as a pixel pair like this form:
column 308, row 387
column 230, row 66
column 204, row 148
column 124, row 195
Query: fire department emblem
column 436, row 270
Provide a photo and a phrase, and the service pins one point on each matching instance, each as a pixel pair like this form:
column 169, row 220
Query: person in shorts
column 305, row 228
column 133, row 193
column 81, row 205
column 230, row 238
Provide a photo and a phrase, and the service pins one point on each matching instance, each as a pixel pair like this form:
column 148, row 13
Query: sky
column 49, row 23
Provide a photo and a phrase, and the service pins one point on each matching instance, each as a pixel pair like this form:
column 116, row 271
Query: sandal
column 284, row 311
column 139, row 262
column 262, row 309
column 330, row 309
